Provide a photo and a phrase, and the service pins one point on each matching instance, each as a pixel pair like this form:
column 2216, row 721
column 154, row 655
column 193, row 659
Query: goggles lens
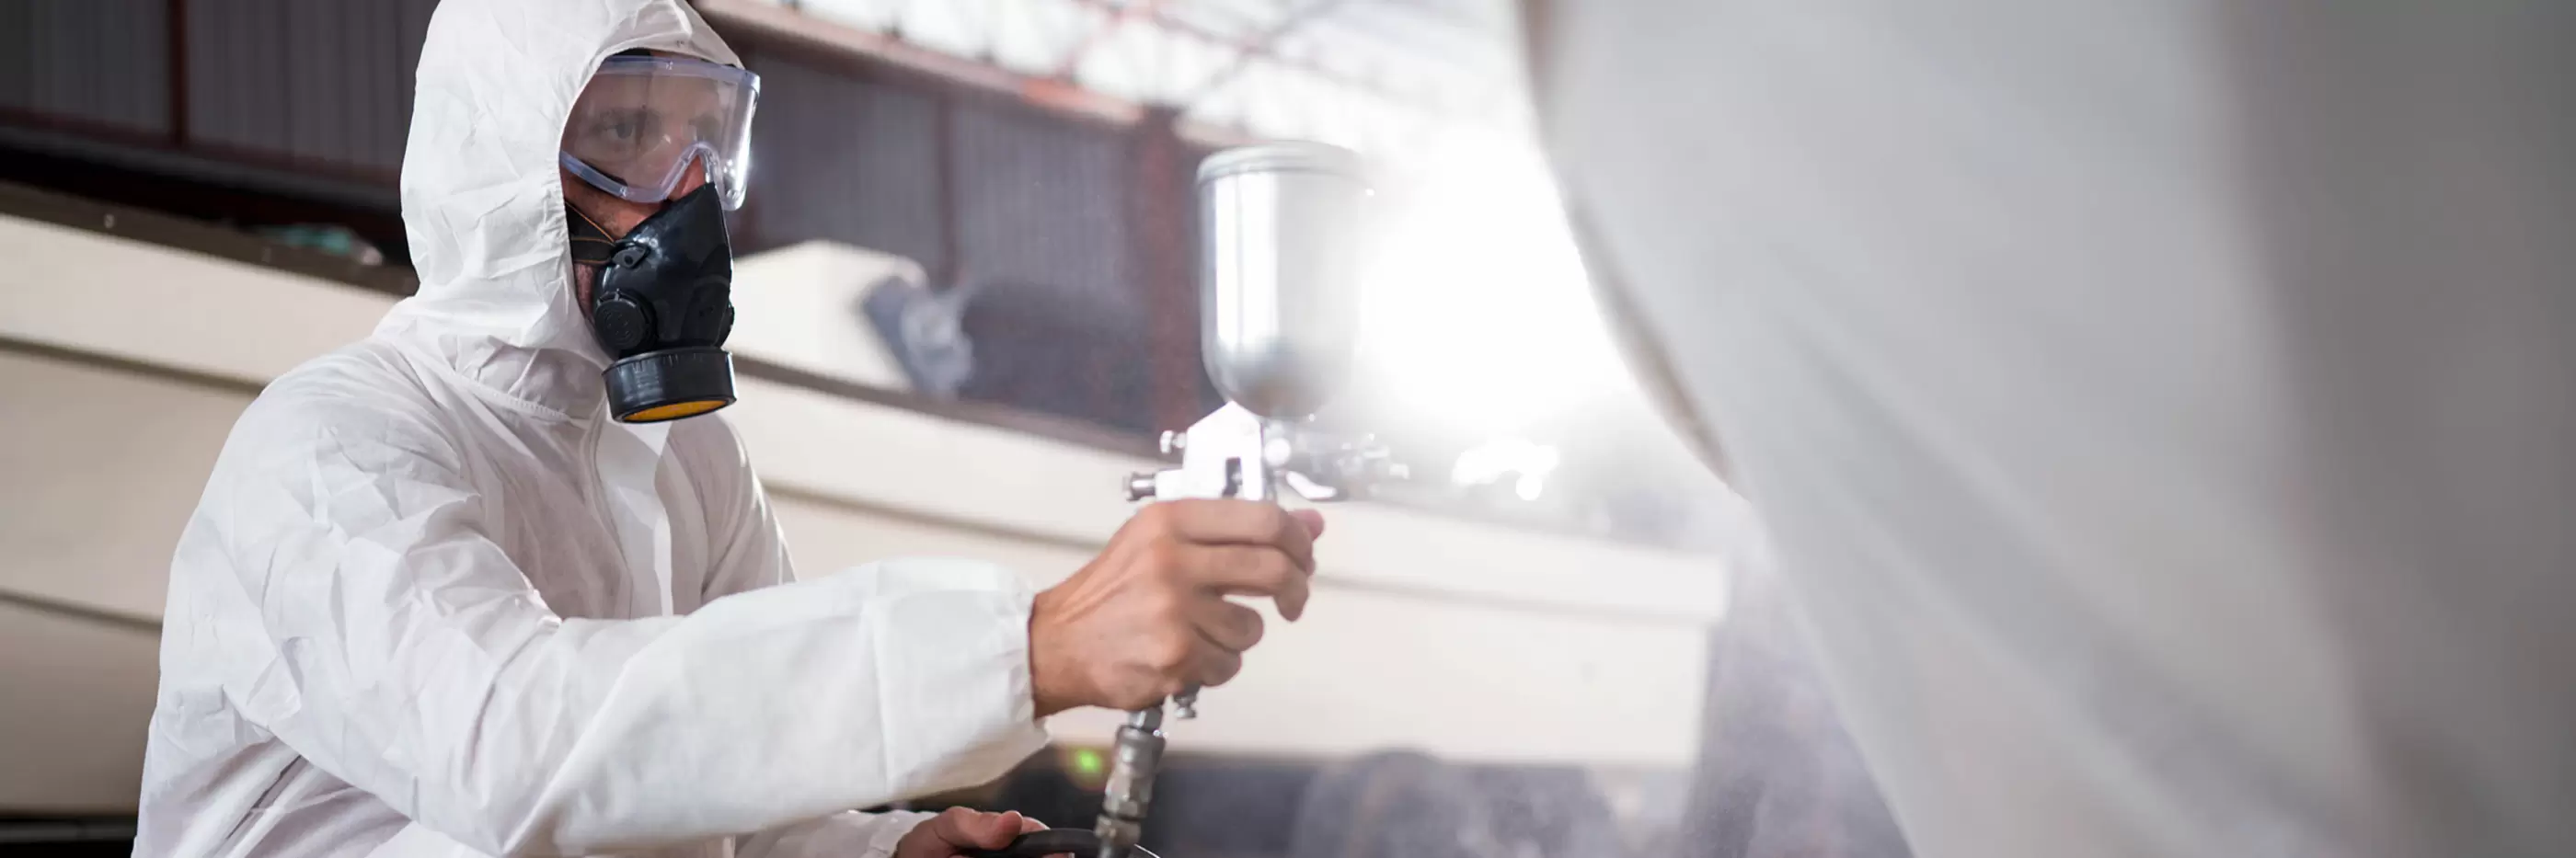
column 643, row 122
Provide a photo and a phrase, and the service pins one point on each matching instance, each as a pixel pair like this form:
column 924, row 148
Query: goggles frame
column 731, row 174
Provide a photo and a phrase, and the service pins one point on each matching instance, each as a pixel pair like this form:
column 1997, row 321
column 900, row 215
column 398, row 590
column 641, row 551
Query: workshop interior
column 968, row 313
column 1840, row 429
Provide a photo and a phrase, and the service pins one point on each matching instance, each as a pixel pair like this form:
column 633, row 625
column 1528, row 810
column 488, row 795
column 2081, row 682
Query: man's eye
column 621, row 132
column 618, row 128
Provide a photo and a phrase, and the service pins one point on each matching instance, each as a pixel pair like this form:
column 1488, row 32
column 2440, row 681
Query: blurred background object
column 967, row 308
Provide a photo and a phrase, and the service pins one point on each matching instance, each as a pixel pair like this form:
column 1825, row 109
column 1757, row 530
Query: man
column 436, row 601
column 2163, row 411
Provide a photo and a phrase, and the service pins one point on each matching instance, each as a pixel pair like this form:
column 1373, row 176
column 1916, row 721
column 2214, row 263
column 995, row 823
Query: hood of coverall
column 482, row 199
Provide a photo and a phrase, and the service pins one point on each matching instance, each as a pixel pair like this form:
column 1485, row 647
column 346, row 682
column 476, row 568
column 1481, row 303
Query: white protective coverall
column 2164, row 412
column 434, row 602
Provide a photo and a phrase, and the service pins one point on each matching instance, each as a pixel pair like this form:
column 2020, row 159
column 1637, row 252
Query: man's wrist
column 1044, row 672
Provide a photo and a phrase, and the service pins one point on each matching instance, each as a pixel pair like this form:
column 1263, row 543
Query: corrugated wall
column 1034, row 211
column 1029, row 197
column 87, row 64
column 840, row 158
column 321, row 82
column 1045, row 200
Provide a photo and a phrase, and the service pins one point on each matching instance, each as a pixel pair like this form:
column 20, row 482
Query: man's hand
column 1149, row 615
column 958, row 829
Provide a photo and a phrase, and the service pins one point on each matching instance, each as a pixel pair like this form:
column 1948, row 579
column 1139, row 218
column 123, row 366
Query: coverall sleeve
column 751, row 553
column 401, row 650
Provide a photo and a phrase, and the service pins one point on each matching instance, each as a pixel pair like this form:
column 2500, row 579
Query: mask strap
column 590, row 243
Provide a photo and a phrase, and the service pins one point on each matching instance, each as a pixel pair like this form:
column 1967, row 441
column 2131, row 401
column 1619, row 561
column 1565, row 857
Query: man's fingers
column 1227, row 624
column 1001, row 829
column 1218, row 665
column 963, row 827
column 1242, row 522
column 1312, row 519
column 1249, row 570
column 1029, row 826
column 952, row 826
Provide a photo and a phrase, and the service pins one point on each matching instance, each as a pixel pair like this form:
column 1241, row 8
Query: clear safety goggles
column 643, row 120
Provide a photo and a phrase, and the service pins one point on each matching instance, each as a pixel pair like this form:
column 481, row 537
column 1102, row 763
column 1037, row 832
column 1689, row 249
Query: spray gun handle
column 1230, row 453
column 1134, row 761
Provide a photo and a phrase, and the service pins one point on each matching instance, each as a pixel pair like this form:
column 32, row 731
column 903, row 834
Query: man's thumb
column 997, row 830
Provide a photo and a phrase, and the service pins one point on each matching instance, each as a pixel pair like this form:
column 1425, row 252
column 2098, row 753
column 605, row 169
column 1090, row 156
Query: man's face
column 628, row 121
column 615, row 215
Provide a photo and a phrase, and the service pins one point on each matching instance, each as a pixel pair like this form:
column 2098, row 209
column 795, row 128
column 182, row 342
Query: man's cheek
column 582, row 278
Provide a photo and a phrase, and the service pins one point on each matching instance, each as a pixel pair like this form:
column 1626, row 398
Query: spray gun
column 1281, row 227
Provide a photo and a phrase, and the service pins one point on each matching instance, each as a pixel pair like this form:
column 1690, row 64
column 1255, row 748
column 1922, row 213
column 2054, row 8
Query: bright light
column 1478, row 309
column 1528, row 464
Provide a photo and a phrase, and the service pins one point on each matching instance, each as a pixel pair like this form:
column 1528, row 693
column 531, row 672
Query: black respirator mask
column 661, row 306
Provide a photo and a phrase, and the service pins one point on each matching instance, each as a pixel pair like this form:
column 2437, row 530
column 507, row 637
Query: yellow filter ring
column 673, row 411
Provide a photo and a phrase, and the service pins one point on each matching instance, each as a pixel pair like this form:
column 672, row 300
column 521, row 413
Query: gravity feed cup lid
column 1282, row 157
